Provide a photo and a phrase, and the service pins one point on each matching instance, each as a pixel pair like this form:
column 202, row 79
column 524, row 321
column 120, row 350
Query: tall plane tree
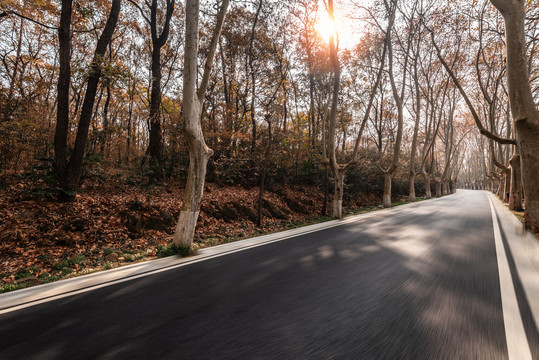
column 523, row 108
column 328, row 140
column 399, row 100
column 199, row 152
column 490, row 100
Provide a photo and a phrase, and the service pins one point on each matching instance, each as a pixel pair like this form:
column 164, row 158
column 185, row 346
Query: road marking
column 205, row 254
column 25, row 298
column 517, row 342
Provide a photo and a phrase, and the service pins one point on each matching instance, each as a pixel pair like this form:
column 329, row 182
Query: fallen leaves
column 40, row 237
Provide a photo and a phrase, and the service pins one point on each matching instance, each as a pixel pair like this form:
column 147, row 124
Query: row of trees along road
column 440, row 94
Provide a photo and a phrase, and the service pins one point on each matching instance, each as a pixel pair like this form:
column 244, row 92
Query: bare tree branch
column 135, row 4
column 6, row 13
column 475, row 116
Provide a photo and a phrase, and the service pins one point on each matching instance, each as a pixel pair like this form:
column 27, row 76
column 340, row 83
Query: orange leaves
column 9, row 279
column 42, row 236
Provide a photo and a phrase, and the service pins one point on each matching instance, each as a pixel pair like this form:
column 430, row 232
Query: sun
column 325, row 27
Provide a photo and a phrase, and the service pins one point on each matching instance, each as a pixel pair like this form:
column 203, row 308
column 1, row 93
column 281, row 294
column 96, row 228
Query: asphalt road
column 420, row 283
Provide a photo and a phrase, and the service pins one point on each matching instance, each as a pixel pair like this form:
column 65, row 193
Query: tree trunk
column 156, row 136
column 312, row 133
column 515, row 197
column 501, row 187
column 253, row 77
column 105, row 131
column 438, row 188
column 229, row 106
column 428, row 192
column 426, row 177
column 264, row 172
column 155, row 146
column 332, row 118
column 9, row 108
column 129, row 121
column 199, row 153
column 412, row 173
column 324, row 210
column 387, row 190
column 261, row 186
column 507, row 185
column 64, row 81
column 523, row 106
column 399, row 98
column 338, row 194
column 328, row 136
column 71, row 181
column 411, row 186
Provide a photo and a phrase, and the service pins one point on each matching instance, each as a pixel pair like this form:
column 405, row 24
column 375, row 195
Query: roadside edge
column 35, row 295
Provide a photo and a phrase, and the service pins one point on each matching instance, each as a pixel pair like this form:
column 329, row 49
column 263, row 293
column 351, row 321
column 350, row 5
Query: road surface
column 421, row 282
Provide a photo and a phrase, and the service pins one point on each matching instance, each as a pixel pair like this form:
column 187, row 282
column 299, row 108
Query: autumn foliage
column 285, row 118
column 41, row 239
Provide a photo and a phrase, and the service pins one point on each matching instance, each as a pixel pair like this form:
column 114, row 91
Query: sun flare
column 325, row 27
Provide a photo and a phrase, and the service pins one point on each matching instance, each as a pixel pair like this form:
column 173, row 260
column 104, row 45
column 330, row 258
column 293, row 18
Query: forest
column 133, row 128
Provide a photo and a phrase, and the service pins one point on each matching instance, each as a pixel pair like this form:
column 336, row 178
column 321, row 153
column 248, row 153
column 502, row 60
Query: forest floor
column 118, row 219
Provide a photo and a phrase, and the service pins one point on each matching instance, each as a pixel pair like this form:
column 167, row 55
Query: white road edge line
column 515, row 335
column 231, row 248
column 183, row 262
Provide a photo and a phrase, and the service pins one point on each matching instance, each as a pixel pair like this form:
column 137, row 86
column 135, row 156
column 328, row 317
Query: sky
column 347, row 24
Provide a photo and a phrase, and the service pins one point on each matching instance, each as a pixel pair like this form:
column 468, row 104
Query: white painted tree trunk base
column 411, row 188
column 428, row 193
column 337, row 209
column 387, row 200
column 185, row 229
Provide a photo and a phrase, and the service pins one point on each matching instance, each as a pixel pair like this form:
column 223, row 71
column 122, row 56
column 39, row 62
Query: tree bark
column 438, row 188
column 105, row 131
column 64, row 83
column 411, row 186
column 412, row 173
column 253, row 77
column 156, row 135
column 72, row 178
column 387, row 190
column 399, row 99
column 323, row 211
column 199, row 152
column 132, row 87
column 264, row 171
column 9, row 108
column 428, row 193
column 446, row 188
column 338, row 194
column 515, row 198
column 523, row 107
column 328, row 141
column 69, row 172
column 155, row 146
column 331, row 118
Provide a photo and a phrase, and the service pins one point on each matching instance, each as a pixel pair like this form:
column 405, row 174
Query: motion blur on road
column 418, row 282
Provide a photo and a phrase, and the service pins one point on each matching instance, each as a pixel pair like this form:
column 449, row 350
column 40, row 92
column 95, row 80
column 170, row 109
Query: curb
column 525, row 250
column 38, row 294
